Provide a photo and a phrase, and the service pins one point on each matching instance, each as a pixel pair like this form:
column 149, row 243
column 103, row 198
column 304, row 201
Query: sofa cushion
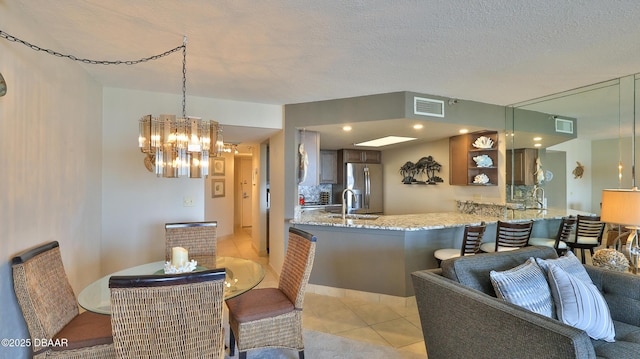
column 580, row 304
column 525, row 286
column 626, row 346
column 473, row 271
column 570, row 263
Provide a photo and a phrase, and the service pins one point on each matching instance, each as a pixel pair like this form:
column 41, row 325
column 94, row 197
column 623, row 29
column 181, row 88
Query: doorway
column 245, row 192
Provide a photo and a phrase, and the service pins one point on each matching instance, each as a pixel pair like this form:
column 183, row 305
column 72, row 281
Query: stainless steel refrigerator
column 365, row 180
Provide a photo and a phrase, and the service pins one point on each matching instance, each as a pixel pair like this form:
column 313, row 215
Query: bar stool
column 509, row 236
column 589, row 231
column 470, row 244
column 559, row 243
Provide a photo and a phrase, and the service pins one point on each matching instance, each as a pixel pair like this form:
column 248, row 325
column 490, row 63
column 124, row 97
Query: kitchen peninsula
column 377, row 254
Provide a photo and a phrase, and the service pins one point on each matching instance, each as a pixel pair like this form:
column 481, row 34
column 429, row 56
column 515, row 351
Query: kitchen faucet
column 539, row 200
column 344, row 202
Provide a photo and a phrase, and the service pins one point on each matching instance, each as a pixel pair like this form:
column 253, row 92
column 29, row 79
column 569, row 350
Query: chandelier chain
column 96, row 62
column 184, row 78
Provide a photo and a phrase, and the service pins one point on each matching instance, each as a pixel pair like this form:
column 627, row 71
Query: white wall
column 136, row 203
column 50, row 144
column 220, row 209
column 278, row 222
column 404, row 199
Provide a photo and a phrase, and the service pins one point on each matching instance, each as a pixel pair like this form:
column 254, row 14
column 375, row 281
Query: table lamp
column 622, row 206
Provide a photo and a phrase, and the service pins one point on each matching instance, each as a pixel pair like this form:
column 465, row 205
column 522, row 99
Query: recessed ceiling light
column 418, row 126
column 385, row 141
column 464, row 130
column 346, row 128
column 537, row 145
column 537, row 138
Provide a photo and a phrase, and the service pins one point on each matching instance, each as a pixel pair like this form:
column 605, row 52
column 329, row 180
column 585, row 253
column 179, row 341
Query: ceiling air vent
column 564, row 126
column 428, row 107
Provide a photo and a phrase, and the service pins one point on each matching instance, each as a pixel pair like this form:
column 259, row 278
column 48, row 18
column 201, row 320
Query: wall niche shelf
column 464, row 170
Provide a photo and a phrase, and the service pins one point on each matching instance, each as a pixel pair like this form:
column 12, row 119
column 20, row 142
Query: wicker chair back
column 168, row 316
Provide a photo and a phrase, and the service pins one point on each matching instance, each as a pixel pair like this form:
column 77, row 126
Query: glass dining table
column 241, row 276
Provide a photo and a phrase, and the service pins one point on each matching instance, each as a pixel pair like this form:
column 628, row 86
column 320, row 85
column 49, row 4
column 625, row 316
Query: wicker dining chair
column 588, row 235
column 559, row 242
column 168, row 316
column 509, row 236
column 272, row 317
column 198, row 238
column 471, row 240
column 51, row 311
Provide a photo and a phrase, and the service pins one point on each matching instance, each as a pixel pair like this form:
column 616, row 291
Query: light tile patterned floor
column 353, row 318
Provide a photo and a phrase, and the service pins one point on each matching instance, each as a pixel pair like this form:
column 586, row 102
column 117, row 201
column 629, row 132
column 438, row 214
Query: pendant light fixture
column 174, row 147
column 179, row 147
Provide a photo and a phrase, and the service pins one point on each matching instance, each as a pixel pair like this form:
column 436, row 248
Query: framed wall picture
column 218, row 166
column 217, row 188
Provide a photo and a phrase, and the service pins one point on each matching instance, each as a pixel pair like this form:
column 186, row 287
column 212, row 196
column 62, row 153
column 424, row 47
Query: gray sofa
column 462, row 318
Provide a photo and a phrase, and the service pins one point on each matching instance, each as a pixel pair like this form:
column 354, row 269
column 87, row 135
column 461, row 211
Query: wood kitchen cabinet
column 328, row 167
column 463, row 169
column 523, row 167
column 361, row 156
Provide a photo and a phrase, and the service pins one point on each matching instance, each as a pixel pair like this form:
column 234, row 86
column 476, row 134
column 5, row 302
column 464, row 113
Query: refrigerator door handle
column 367, row 187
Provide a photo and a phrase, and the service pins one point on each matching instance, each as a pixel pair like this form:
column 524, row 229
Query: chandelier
column 175, row 147
column 179, row 147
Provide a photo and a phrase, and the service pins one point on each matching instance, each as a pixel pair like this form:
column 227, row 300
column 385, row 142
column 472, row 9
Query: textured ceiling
column 291, row 51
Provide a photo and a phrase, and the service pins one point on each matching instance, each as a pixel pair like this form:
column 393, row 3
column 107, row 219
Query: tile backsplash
column 312, row 193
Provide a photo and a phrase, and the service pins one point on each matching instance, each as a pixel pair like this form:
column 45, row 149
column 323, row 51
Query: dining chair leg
column 301, row 354
column 582, row 255
column 242, row 355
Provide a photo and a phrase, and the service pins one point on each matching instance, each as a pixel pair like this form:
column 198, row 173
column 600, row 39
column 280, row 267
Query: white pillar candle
column 179, row 256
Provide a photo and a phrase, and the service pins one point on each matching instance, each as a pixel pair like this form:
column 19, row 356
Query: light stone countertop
column 425, row 221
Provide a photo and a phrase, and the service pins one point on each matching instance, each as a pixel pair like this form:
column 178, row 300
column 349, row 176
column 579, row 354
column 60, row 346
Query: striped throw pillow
column 525, row 286
column 580, row 304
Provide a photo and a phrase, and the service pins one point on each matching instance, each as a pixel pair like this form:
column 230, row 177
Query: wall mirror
column 575, row 166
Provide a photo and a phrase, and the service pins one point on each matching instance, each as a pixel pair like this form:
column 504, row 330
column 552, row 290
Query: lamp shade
column 621, row 206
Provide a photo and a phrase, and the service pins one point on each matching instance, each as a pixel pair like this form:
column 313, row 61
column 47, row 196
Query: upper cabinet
column 474, row 159
column 523, row 168
column 309, row 158
column 328, row 167
column 361, row 156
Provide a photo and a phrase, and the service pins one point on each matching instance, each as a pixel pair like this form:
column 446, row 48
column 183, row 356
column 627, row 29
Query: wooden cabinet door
column 351, row 156
column 328, row 167
column 371, row 156
column 524, row 166
column 361, row 156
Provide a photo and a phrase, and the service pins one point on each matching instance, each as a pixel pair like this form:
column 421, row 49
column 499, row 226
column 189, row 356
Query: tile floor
column 349, row 317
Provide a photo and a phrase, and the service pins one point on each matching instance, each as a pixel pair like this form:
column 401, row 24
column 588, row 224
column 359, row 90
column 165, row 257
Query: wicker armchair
column 168, row 316
column 272, row 317
column 51, row 311
column 199, row 238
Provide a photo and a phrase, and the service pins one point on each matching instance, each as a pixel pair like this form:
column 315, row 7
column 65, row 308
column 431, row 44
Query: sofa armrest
column 621, row 291
column 459, row 322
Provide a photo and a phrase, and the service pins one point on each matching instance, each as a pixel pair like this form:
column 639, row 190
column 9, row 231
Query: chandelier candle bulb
column 179, row 257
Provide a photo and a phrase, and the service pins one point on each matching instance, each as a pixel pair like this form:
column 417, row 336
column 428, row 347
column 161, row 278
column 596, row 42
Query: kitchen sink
column 355, row 216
